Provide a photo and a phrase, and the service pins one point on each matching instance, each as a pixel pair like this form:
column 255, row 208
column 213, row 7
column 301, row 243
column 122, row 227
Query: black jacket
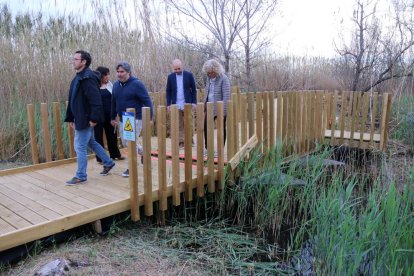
column 85, row 102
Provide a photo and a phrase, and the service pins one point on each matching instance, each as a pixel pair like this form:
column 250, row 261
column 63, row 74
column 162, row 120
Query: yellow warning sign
column 128, row 126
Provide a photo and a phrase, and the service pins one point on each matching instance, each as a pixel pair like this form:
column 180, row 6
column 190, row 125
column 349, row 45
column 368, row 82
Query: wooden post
column 385, row 117
column 373, row 117
column 133, row 175
column 265, row 121
column 210, row 146
column 243, row 121
column 200, row 149
column 272, row 119
column 162, row 158
column 175, row 154
column 285, row 119
column 333, row 117
column 279, row 117
column 235, row 128
column 220, row 143
column 32, row 129
column 58, row 128
column 230, row 136
column 251, row 114
column 364, row 117
column 46, row 132
column 188, row 155
column 259, row 119
column 71, row 136
column 146, row 134
column 344, row 97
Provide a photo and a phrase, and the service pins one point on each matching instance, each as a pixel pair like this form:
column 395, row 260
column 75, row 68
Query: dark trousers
column 111, row 138
column 205, row 129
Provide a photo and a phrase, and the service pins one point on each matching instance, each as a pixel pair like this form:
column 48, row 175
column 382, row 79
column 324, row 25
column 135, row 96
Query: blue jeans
column 83, row 139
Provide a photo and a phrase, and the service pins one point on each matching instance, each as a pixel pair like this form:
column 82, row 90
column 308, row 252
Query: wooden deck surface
column 36, row 203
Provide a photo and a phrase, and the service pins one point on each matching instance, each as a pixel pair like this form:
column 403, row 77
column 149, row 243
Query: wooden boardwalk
column 36, row 203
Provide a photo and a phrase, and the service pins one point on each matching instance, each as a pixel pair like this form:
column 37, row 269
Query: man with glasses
column 84, row 111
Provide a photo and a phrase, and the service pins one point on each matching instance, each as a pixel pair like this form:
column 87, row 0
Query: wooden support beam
column 162, row 158
column 58, row 129
column 243, row 152
column 146, row 135
column 188, row 155
column 32, row 130
column 220, row 145
column 133, row 175
column 174, row 133
column 46, row 132
column 210, row 146
column 200, row 149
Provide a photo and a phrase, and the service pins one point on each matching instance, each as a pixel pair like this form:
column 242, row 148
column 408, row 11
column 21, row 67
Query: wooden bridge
column 36, row 203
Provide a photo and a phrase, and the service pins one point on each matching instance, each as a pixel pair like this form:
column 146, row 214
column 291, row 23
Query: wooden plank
column 200, row 149
column 374, row 115
column 46, row 132
column 32, row 130
column 355, row 115
column 175, row 154
column 210, row 144
column 342, row 116
column 265, row 99
column 188, row 160
column 298, row 122
column 146, row 134
column 20, row 209
column 285, row 119
column 38, row 231
column 35, row 206
column 364, row 116
column 333, row 116
column 43, row 197
column 279, row 117
column 220, row 143
column 272, row 128
column 259, row 119
column 162, row 167
column 303, row 122
column 318, row 119
column 251, row 114
column 309, row 110
column 5, row 227
column 58, row 131
column 244, row 151
column 86, row 199
column 71, row 137
column 13, row 219
column 243, row 119
column 385, row 117
column 235, row 128
column 230, row 136
column 133, row 174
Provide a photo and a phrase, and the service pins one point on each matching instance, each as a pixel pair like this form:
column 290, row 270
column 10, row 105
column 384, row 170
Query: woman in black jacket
column 110, row 131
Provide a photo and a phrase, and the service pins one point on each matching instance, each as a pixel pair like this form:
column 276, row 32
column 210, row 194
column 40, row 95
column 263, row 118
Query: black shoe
column 142, row 159
column 106, row 169
column 119, row 158
column 125, row 173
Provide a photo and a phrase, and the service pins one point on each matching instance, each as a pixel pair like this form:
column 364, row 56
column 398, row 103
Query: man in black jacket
column 83, row 112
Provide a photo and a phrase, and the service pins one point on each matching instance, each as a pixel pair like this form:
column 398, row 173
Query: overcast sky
column 300, row 27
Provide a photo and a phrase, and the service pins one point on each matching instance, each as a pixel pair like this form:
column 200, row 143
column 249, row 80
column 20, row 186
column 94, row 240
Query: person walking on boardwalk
column 217, row 89
column 83, row 112
column 129, row 92
column 110, row 132
column 181, row 89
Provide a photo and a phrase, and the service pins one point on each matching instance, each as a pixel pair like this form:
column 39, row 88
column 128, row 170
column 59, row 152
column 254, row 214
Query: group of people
column 94, row 103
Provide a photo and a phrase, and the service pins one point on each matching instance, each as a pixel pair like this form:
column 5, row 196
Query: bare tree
column 378, row 52
column 251, row 34
column 221, row 18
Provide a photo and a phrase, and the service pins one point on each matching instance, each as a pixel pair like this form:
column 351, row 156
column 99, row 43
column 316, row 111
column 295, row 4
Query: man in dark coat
column 84, row 111
column 181, row 89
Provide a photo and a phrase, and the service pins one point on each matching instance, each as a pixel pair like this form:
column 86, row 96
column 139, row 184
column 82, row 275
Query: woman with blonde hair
column 217, row 89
